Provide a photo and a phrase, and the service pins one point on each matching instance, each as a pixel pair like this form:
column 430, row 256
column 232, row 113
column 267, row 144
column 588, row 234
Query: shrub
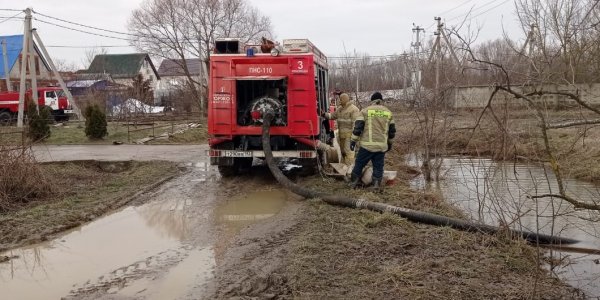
column 26, row 182
column 38, row 129
column 95, row 122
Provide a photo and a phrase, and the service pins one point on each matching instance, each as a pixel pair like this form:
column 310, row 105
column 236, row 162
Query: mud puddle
column 158, row 250
column 50, row 270
column 249, row 208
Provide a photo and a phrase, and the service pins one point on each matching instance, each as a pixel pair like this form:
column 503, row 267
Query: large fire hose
column 409, row 214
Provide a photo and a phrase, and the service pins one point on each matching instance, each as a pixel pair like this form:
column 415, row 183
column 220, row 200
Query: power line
column 83, row 31
column 454, row 8
column 10, row 9
column 10, row 18
column 164, row 40
column 482, row 13
column 84, row 47
column 360, row 57
column 83, row 25
column 472, row 10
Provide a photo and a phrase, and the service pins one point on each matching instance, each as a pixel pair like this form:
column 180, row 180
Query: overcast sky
column 378, row 27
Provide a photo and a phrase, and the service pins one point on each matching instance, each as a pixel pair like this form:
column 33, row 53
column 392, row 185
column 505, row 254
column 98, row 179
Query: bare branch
column 574, row 202
column 572, row 123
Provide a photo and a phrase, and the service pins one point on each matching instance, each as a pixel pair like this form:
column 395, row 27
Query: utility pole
column 439, row 53
column 450, row 47
column 441, row 33
column 202, row 64
column 57, row 74
column 530, row 41
column 357, row 74
column 405, row 72
column 417, row 46
column 33, row 73
column 6, row 70
column 24, row 56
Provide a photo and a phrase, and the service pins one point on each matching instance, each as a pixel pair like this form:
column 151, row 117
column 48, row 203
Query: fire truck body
column 244, row 84
column 52, row 97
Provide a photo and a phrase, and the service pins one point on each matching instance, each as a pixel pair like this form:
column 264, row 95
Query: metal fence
column 17, row 138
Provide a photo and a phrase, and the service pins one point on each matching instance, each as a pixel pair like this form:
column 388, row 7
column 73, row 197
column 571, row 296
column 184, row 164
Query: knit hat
column 376, row 96
column 344, row 98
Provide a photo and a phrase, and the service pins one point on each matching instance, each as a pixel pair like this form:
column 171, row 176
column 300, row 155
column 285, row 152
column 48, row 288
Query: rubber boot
column 354, row 180
column 376, row 185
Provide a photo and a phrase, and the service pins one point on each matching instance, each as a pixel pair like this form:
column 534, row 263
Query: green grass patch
column 197, row 135
column 74, row 133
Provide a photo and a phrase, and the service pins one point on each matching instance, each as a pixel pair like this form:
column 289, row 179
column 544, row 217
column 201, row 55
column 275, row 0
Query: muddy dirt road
column 176, row 153
column 170, row 243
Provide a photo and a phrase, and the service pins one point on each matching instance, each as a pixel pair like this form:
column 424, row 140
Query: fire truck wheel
column 5, row 118
column 240, row 165
column 227, row 171
column 309, row 167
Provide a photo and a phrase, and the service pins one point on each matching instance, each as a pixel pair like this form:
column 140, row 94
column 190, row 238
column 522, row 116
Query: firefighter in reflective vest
column 374, row 130
column 345, row 115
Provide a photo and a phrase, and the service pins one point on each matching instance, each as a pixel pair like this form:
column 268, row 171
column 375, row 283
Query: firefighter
column 374, row 130
column 345, row 115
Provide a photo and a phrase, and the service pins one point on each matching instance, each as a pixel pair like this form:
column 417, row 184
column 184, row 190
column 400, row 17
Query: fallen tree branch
column 574, row 202
column 575, row 97
column 572, row 123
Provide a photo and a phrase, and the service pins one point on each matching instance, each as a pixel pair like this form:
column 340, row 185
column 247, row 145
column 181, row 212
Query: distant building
column 124, row 67
column 14, row 49
column 82, row 84
column 477, row 96
column 173, row 78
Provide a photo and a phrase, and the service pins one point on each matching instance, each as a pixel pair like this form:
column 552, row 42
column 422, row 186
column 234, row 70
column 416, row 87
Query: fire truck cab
column 51, row 97
column 246, row 81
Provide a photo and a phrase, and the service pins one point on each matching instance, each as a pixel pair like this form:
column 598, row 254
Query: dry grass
column 342, row 253
column 190, row 136
column 83, row 191
column 577, row 149
column 22, row 180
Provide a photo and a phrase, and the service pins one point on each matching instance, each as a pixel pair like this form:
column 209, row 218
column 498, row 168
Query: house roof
column 14, row 45
column 120, row 65
column 82, row 83
column 174, row 67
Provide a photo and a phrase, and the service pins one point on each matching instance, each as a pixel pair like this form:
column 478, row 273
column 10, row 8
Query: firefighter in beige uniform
column 345, row 115
column 374, row 130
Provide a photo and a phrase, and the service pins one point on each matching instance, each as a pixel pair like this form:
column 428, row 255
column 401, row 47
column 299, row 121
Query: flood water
column 499, row 193
column 167, row 248
column 250, row 208
column 50, row 270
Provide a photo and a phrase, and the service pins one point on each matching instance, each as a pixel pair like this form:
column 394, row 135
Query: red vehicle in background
column 52, row 97
column 245, row 82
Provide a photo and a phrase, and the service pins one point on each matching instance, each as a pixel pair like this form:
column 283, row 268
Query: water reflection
column 49, row 270
column 500, row 193
column 249, row 208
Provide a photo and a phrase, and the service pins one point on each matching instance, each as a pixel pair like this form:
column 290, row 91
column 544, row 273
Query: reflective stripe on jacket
column 345, row 117
column 374, row 127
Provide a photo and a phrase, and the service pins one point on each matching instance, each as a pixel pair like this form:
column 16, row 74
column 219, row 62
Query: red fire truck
column 52, row 97
column 245, row 82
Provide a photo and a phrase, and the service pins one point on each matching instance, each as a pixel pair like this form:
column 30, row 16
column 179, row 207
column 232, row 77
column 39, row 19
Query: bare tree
column 62, row 65
column 180, row 29
column 90, row 54
column 558, row 56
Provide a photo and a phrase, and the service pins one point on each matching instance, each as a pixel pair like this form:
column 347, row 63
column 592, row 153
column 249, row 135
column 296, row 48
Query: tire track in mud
column 222, row 252
column 197, row 236
column 180, row 209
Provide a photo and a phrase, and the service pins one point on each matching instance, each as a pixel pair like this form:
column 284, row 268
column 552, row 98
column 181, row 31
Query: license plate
column 68, row 111
column 233, row 153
